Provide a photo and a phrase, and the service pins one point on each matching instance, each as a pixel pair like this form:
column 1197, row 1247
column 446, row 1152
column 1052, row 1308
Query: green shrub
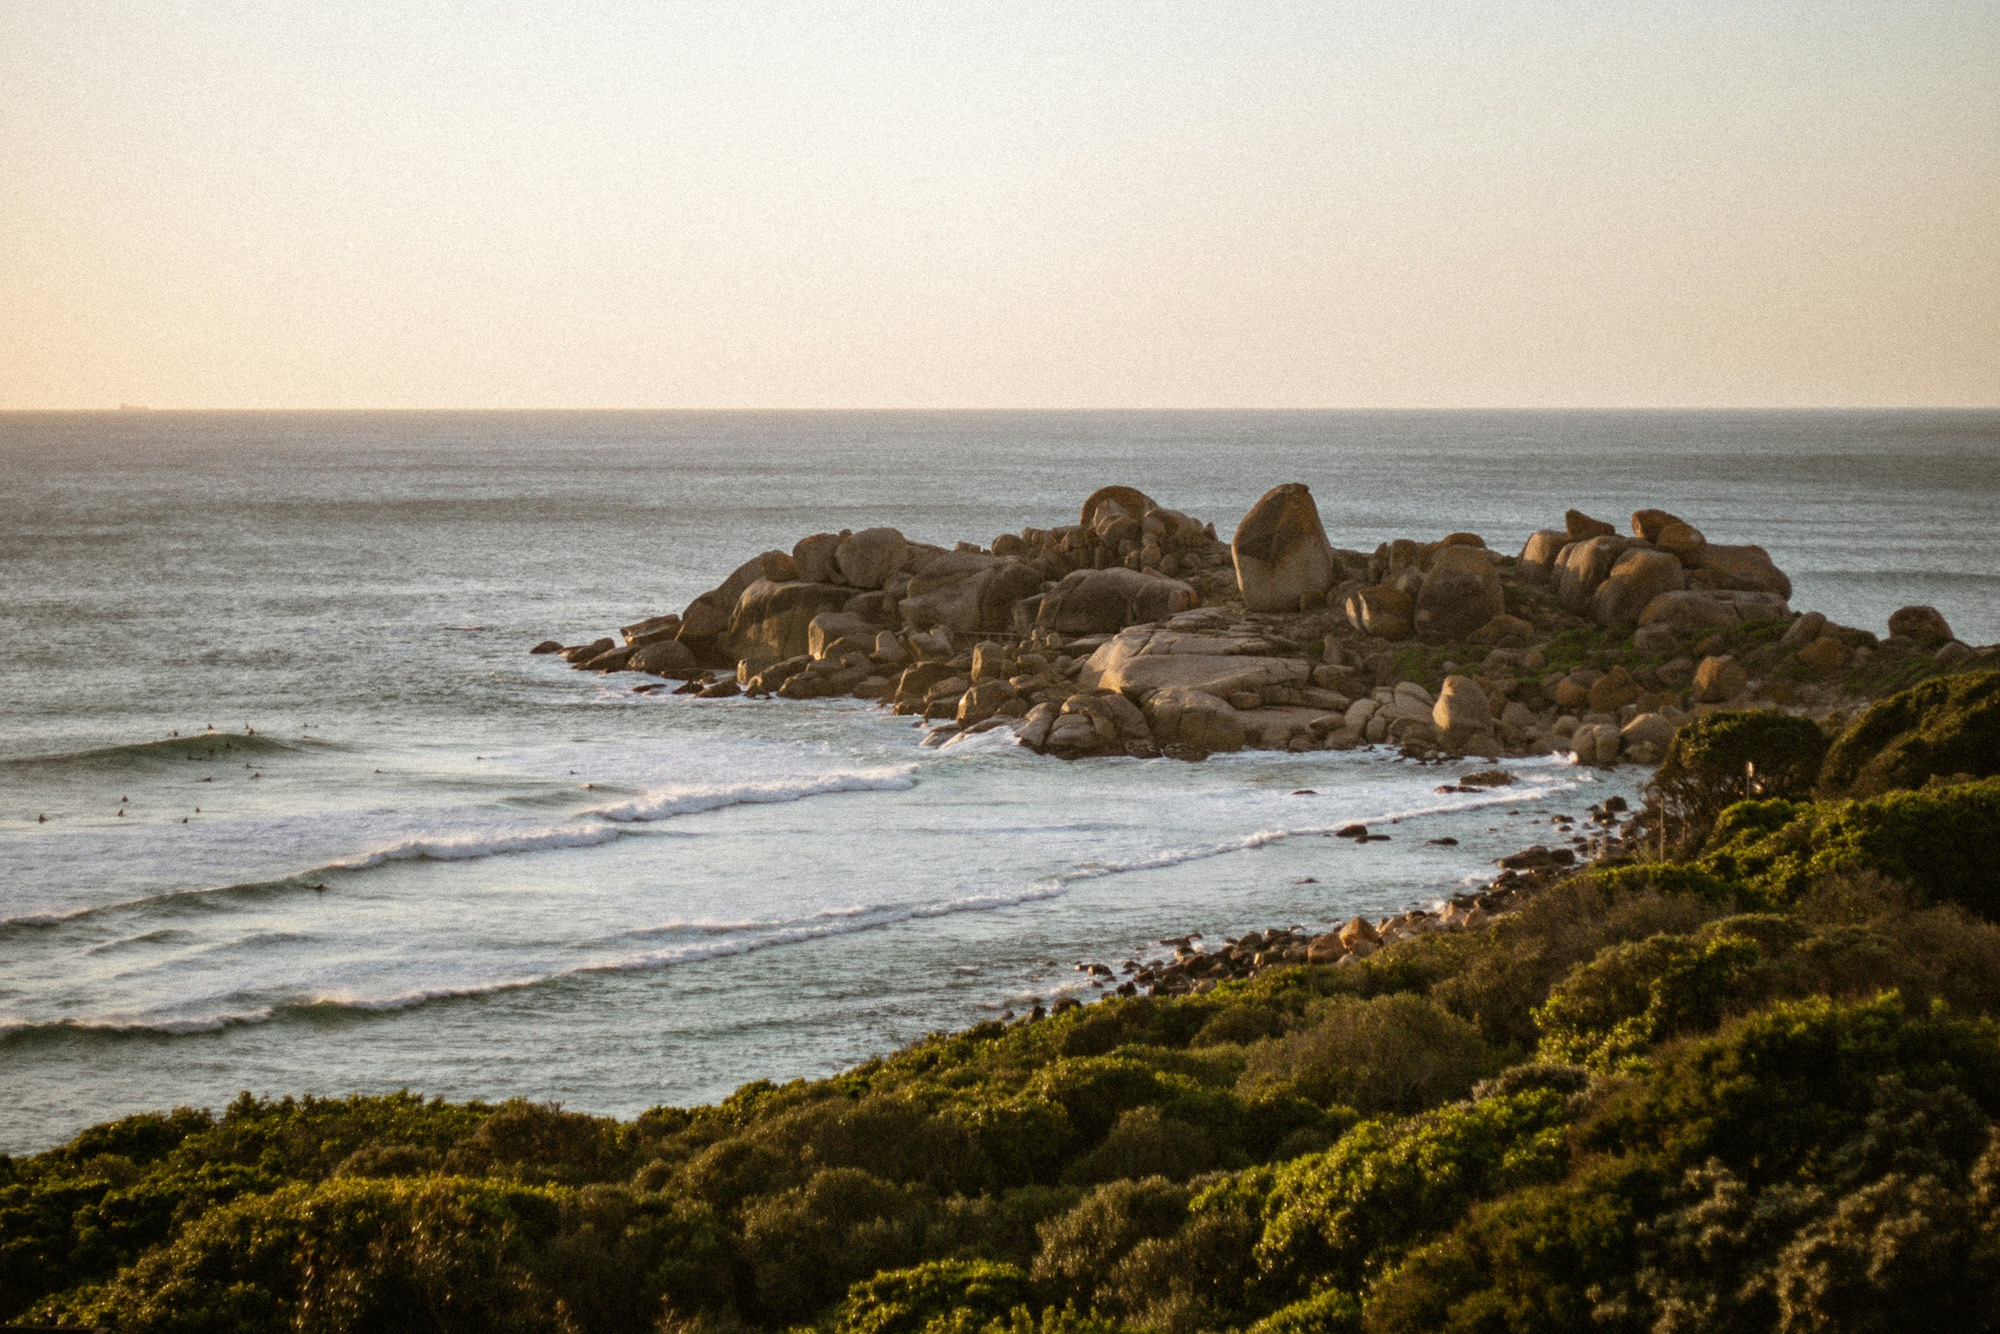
column 1942, row 843
column 1329, row 1312
column 1145, row 1142
column 1943, row 727
column 1396, row 1053
column 1341, row 1216
column 352, row 1255
column 1714, row 762
column 1080, row 1247
column 1614, row 1009
column 904, row 1301
column 807, row 1245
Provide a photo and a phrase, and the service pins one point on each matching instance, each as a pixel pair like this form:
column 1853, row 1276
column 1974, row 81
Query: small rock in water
column 1354, row 831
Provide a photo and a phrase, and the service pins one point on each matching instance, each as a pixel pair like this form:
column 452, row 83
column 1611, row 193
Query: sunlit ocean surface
column 409, row 855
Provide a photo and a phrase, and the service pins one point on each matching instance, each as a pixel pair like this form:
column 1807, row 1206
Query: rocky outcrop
column 665, row 657
column 1186, row 720
column 1719, row 679
column 1581, row 527
column 1694, row 610
column 1108, row 506
column 1127, row 634
column 1283, row 560
column 707, row 618
column 1463, row 715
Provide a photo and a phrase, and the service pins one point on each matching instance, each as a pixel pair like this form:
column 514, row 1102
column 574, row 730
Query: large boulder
column 665, row 657
column 1107, row 504
column 1581, row 527
column 867, row 558
column 1638, row 577
column 774, row 621
column 1386, row 613
column 1463, row 713
column 814, row 558
column 1720, row 679
column 1647, row 525
column 1684, row 542
column 1697, row 610
column 1582, row 566
column 968, row 591
column 707, row 618
column 1461, row 593
column 1747, row 568
column 1538, row 555
column 1281, row 552
column 1102, row 601
column 1184, row 719
column 652, row 630
column 1140, row 660
column 1926, row 625
column 830, row 630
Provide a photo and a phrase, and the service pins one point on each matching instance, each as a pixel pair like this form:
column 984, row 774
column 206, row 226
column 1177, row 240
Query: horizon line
column 138, row 409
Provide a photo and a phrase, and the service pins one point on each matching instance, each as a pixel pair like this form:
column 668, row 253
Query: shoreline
column 1789, row 995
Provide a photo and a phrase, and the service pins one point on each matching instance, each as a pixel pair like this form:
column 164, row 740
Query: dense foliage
column 1944, row 728
column 1756, row 1088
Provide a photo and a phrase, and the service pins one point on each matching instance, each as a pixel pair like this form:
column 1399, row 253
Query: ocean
column 285, row 805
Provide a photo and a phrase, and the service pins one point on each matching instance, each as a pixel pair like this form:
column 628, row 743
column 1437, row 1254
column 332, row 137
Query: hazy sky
column 750, row 204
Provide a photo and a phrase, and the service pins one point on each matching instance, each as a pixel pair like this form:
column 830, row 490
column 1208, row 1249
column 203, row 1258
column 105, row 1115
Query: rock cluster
column 1136, row 632
column 1195, row 970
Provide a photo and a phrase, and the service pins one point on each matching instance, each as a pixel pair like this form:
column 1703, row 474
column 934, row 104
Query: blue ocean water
column 408, row 854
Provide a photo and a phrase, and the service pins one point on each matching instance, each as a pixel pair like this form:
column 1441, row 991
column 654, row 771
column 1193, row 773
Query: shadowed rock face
column 1281, row 551
column 1094, row 601
column 1461, row 593
column 968, row 590
column 774, row 621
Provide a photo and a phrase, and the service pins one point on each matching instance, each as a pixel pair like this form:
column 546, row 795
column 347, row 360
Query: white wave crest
column 468, row 846
column 691, row 798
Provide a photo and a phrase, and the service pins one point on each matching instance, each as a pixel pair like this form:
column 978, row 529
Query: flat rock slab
column 1143, row 660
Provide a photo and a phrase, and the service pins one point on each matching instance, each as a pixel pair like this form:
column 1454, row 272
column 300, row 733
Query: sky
column 1240, row 204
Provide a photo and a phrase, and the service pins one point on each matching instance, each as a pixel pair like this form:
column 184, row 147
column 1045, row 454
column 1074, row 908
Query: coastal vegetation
column 1741, row 1073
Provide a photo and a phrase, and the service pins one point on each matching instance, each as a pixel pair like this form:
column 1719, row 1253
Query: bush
column 354, row 1255
column 1714, row 762
column 1942, row 843
column 1341, row 1216
column 1943, row 727
column 904, row 1301
column 1397, row 1053
column 1329, row 1312
column 807, row 1245
column 1613, row 1010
